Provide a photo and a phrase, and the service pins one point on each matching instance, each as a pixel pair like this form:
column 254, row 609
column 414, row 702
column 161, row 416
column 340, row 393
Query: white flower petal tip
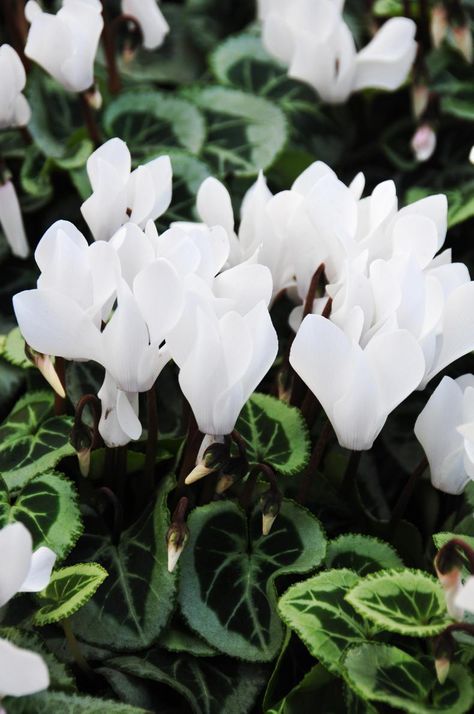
column 11, row 221
column 46, row 366
column 174, row 555
column 21, row 672
column 39, row 574
column 150, row 19
column 198, row 472
column 14, row 108
column 65, row 44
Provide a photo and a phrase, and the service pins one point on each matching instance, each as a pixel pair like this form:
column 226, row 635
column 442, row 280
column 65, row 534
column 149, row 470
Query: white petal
column 151, row 21
column 464, row 599
column 246, row 285
column 15, row 557
column 434, row 207
column 127, row 416
column 54, row 324
column 39, row 574
column 134, row 251
column 11, row 220
column 387, row 59
column 21, row 672
column 214, row 205
column 310, row 176
column 159, row 293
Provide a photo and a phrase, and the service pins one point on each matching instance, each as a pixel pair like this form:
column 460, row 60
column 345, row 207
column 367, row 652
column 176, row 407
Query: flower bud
column 270, row 504
column 82, row 440
column 439, row 24
column 214, row 458
column 448, row 569
column 463, row 40
column 176, row 538
column 235, row 469
column 423, row 142
column 419, row 98
column 443, row 652
column 45, row 365
column 93, row 98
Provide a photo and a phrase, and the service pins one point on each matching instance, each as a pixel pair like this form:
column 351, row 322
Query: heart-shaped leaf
column 316, row 609
column 133, row 609
column 382, row 673
column 274, row 433
column 49, row 702
column 209, row 686
column 361, row 553
column 47, row 506
column 228, row 570
column 245, row 132
column 150, row 121
column 68, row 590
column 409, row 602
column 32, row 439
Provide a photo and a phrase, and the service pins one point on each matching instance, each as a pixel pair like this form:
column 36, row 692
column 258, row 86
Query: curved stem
column 406, row 494
column 108, row 41
column 314, row 462
column 60, row 402
column 74, row 648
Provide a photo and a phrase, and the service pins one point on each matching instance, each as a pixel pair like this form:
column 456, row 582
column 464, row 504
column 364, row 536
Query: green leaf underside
column 135, row 605
column 275, row 434
column 210, row 686
column 362, row 554
column 316, row 609
column 59, row 703
column 387, row 674
column 227, row 573
column 47, row 506
column 149, row 122
column 68, row 590
column 409, row 602
column 32, row 439
column 177, row 638
column 245, row 133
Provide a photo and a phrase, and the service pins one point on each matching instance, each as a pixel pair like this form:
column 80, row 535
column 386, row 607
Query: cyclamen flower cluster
column 173, row 298
column 316, row 44
column 400, row 309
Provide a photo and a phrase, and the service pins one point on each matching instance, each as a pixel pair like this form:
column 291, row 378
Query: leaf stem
column 152, row 443
column 314, row 462
column 74, row 648
column 60, row 402
column 108, row 42
column 407, row 492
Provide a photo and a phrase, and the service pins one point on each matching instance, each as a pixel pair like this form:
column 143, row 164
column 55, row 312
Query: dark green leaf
column 58, row 703
column 228, row 571
column 361, row 553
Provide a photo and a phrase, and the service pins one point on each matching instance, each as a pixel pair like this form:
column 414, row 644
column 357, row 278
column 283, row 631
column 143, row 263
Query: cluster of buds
column 450, row 21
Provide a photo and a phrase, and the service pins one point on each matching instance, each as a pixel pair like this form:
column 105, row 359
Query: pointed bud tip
column 197, row 473
column 84, row 459
column 174, row 554
column 45, row 365
column 442, row 665
column 224, row 483
column 268, row 519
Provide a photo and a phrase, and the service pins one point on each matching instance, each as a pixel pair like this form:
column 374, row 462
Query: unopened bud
column 439, row 24
column 448, row 569
column 82, row 439
column 444, row 647
column 419, row 98
column 128, row 53
column 224, row 482
column 45, row 365
column 94, row 98
column 442, row 666
column 176, row 538
column 270, row 504
column 423, row 142
column 235, row 469
column 463, row 40
column 214, row 458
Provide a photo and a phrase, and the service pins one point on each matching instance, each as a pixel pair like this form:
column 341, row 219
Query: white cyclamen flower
column 445, row 429
column 357, row 388
column 150, row 18
column 65, row 44
column 11, row 220
column 228, row 359
column 14, row 108
column 464, row 599
column 313, row 40
column 120, row 194
column 21, row 672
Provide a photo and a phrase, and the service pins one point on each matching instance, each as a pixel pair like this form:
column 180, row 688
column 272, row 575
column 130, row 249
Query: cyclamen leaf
column 32, row 439
column 275, row 434
column 210, row 686
column 409, row 602
column 316, row 609
column 14, row 349
column 245, row 132
column 150, row 121
column 52, row 702
column 131, row 612
column 382, row 673
column 177, row 638
column 361, row 553
column 243, row 62
column 47, row 506
column 441, row 539
column 68, row 590
column 228, row 570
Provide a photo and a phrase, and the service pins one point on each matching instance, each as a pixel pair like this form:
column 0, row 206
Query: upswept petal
column 245, row 285
column 160, row 295
column 21, row 672
column 39, row 574
column 214, row 205
column 15, row 556
column 11, row 220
